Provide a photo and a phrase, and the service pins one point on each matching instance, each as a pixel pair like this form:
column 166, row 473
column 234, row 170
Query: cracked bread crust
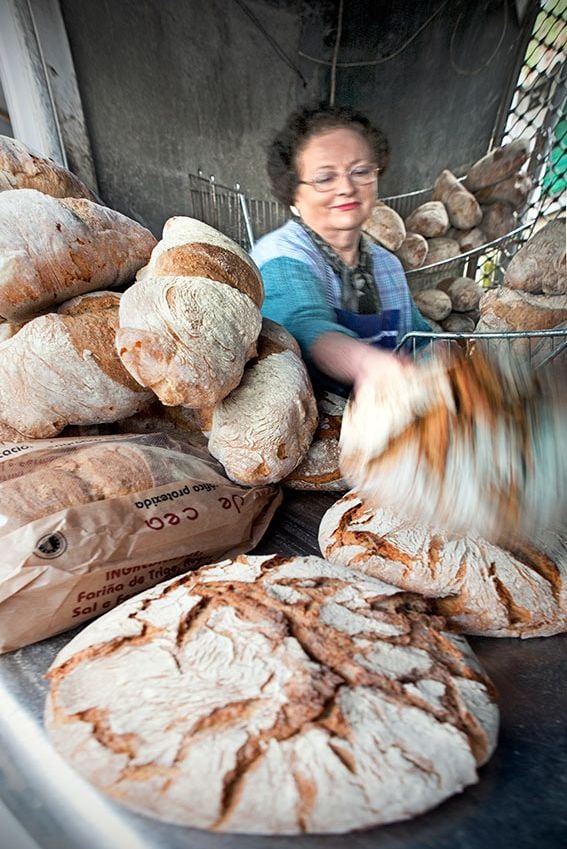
column 62, row 369
column 190, row 248
column 262, row 430
column 479, row 587
column 273, row 695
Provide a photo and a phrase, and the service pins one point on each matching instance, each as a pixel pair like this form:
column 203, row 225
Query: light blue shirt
column 302, row 291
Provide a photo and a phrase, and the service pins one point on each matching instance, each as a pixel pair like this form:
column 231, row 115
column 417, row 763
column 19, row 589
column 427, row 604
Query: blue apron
column 378, row 330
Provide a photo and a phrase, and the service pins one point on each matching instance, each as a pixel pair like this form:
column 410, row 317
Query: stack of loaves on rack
column 183, row 347
column 463, row 215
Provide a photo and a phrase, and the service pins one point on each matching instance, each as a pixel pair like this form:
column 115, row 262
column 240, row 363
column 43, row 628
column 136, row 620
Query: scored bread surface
column 480, row 587
column 272, row 695
column 20, row 169
column 262, row 430
column 190, row 248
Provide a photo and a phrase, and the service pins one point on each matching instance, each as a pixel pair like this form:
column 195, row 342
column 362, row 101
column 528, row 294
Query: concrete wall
column 438, row 99
column 170, row 86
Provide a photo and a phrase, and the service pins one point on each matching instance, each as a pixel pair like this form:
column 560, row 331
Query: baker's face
column 346, row 205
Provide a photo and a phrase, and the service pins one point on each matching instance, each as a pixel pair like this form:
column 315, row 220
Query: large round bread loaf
column 53, row 249
column 272, row 695
column 541, row 264
column 62, row 368
column 480, row 587
column 511, row 309
column 472, row 446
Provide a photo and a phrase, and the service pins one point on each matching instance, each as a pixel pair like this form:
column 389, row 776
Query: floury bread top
column 280, row 696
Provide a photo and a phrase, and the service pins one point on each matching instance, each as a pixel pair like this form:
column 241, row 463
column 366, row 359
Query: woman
column 345, row 300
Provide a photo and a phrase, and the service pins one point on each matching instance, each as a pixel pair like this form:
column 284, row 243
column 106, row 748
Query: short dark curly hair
column 303, row 124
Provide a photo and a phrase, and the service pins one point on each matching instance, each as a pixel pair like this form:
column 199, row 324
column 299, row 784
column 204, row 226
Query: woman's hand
column 351, row 361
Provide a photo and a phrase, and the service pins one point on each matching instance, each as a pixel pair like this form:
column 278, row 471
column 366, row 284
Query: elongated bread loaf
column 462, row 207
column 62, row 368
column 53, row 249
column 497, row 165
column 263, row 429
column 20, row 169
column 88, row 473
column 272, row 695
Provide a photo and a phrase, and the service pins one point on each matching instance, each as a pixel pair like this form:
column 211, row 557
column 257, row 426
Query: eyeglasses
column 327, row 181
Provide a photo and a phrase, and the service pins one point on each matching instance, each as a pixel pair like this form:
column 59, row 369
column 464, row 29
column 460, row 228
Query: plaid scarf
column 359, row 292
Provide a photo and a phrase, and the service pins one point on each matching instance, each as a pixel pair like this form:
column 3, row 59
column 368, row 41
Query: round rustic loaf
column 413, row 251
column 473, row 446
column 479, row 587
column 512, row 309
column 272, row 696
column 319, row 469
column 385, row 227
column 440, row 250
column 62, row 368
column 540, row 265
column 468, row 240
column 498, row 219
column 430, row 219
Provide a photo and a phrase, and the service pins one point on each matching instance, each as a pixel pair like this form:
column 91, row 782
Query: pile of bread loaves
column 183, row 346
column 534, row 294
column 462, row 215
column 261, row 694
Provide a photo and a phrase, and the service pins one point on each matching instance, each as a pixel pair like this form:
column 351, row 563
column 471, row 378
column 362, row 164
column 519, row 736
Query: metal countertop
column 520, row 800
